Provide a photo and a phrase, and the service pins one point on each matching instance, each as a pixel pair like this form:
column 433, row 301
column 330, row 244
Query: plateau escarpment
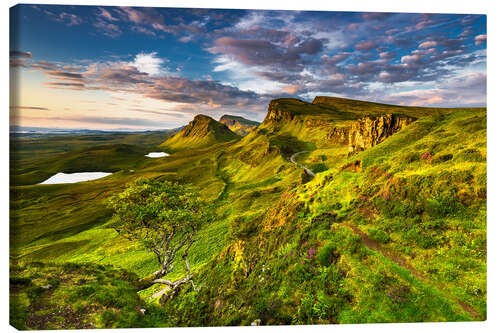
column 367, row 132
column 326, row 124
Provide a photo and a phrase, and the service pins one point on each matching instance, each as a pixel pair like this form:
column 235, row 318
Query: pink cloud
column 428, row 44
column 479, row 39
column 365, row 46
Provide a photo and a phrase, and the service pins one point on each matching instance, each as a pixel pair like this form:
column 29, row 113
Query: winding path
column 395, row 258
column 292, row 159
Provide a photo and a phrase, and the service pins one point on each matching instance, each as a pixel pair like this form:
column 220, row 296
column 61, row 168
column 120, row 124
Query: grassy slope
column 68, row 222
column 303, row 263
column 60, row 223
column 50, row 296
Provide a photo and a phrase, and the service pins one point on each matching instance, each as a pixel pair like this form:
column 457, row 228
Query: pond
column 157, row 154
column 63, row 178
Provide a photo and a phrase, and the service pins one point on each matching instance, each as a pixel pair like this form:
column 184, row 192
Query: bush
column 242, row 227
column 443, row 158
column 327, row 255
column 411, row 157
column 379, row 235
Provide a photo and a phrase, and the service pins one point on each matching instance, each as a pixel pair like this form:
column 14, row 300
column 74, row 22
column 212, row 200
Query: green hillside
column 392, row 230
column 202, row 131
column 401, row 239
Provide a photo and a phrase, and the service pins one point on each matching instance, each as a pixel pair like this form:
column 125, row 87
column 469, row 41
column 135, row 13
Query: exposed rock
column 339, row 135
column 276, row 112
column 368, row 132
column 359, row 135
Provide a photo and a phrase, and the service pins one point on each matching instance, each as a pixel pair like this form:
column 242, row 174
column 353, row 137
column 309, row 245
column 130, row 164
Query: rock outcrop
column 275, row 113
column 329, row 126
column 368, row 132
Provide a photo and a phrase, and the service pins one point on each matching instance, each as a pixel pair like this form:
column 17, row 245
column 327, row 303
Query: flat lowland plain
column 391, row 232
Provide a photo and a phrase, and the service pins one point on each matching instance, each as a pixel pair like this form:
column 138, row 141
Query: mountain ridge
column 202, row 131
column 237, row 124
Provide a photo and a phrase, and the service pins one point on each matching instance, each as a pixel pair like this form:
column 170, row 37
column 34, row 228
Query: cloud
column 44, row 65
column 365, row 46
column 19, row 59
column 66, row 18
column 65, row 85
column 208, row 92
column 172, row 114
column 479, row 39
column 143, row 30
column 376, row 16
column 256, row 55
column 108, row 29
column 65, row 75
column 148, row 63
column 20, row 54
column 264, row 53
column 18, row 63
column 16, row 107
column 427, row 44
column 145, row 15
column 106, row 14
column 121, row 74
column 150, row 81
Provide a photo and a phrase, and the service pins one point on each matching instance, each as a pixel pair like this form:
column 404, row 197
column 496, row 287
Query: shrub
column 379, row 235
column 242, row 227
column 411, row 157
column 327, row 255
column 443, row 158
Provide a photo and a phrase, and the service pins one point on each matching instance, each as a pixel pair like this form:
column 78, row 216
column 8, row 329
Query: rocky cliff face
column 276, row 114
column 359, row 135
column 368, row 132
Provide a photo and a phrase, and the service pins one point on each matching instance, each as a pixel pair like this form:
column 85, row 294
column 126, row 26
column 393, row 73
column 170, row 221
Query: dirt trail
column 292, row 159
column 394, row 257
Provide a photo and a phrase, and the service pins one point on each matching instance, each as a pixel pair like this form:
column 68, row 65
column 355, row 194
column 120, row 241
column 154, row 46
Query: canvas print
column 215, row 167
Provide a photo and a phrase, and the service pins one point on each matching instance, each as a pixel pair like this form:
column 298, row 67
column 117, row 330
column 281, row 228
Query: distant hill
column 202, row 131
column 238, row 124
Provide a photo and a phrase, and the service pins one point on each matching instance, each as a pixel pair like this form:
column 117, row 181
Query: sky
column 156, row 68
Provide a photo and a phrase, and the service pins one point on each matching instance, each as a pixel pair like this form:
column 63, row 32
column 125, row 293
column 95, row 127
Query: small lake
column 63, row 178
column 156, row 154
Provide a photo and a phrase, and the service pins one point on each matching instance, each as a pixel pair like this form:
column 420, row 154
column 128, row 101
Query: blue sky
column 116, row 67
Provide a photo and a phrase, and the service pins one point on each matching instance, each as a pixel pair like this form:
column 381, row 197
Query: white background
column 420, row 6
